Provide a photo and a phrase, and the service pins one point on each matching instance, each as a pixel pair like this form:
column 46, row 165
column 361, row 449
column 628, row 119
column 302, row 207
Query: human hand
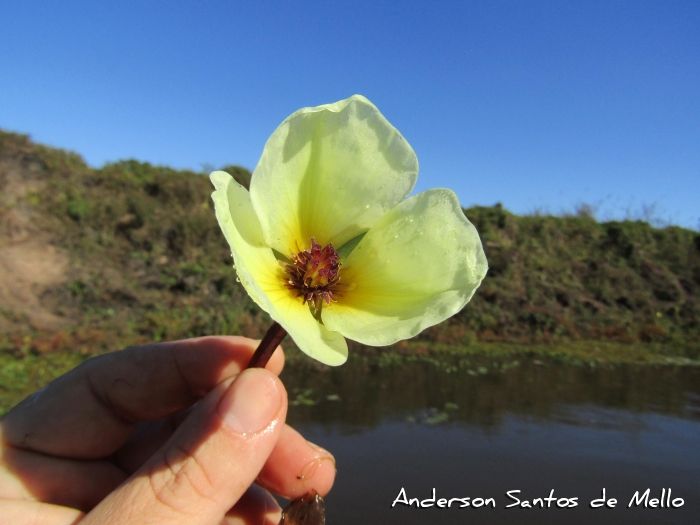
column 168, row 433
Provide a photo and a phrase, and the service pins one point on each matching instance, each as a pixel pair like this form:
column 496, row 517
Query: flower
column 327, row 243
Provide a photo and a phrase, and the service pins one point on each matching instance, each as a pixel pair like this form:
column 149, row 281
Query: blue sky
column 539, row 105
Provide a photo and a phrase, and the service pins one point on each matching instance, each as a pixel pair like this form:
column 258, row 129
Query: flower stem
column 267, row 346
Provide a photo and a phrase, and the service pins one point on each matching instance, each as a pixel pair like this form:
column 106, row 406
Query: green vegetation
column 23, row 372
column 557, row 279
column 147, row 262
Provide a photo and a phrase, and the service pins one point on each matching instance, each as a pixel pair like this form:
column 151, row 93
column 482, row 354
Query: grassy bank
column 95, row 260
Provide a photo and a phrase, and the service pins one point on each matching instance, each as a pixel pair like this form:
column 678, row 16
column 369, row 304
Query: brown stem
column 310, row 506
column 267, row 346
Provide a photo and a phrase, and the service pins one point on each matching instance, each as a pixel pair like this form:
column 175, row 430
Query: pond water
column 490, row 430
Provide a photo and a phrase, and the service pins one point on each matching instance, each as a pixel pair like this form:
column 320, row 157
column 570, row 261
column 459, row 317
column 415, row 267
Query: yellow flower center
column 314, row 275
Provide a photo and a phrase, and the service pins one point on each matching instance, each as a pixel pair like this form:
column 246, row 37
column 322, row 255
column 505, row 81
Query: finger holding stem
column 309, row 507
column 267, row 346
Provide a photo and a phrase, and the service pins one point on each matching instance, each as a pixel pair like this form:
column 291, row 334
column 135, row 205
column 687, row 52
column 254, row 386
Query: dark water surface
column 484, row 429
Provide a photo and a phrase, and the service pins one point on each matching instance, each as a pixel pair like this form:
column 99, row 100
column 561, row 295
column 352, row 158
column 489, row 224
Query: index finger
column 90, row 412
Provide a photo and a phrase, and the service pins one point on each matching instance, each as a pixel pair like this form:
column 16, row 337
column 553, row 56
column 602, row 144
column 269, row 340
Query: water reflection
column 485, row 429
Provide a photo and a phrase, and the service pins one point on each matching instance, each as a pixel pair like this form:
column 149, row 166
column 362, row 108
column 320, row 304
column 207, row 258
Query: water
column 488, row 429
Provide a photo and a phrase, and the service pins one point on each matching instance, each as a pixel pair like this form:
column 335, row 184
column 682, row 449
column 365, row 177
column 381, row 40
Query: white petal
column 420, row 264
column 330, row 172
column 261, row 276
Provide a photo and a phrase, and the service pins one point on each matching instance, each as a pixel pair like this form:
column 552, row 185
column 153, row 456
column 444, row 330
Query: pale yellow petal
column 255, row 263
column 261, row 276
column 330, row 172
column 310, row 336
column 417, row 266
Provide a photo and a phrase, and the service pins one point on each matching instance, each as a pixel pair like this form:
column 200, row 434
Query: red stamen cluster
column 314, row 274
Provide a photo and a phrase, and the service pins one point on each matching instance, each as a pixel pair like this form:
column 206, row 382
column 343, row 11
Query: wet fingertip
column 257, row 506
column 318, row 474
column 322, row 455
column 323, row 451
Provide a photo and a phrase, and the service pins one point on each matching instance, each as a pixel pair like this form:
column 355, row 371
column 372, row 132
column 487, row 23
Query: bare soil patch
column 29, row 263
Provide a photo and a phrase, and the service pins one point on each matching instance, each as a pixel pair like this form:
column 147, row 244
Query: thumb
column 210, row 460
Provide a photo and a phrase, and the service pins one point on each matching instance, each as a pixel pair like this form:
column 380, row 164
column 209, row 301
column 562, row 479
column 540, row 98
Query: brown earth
column 29, row 263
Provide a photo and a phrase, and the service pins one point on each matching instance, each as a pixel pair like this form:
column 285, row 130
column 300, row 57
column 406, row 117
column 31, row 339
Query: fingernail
column 322, row 451
column 251, row 402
